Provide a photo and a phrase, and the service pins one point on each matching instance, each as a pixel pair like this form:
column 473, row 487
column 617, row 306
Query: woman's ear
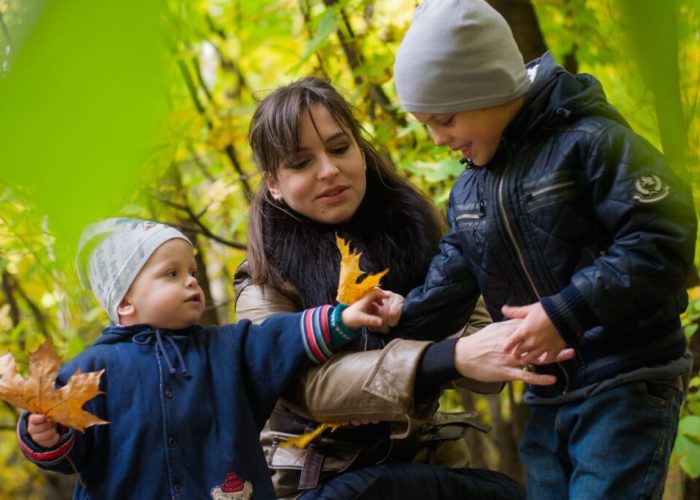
column 272, row 187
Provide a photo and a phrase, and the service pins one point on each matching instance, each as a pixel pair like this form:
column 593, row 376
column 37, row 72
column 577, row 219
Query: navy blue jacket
column 578, row 212
column 185, row 409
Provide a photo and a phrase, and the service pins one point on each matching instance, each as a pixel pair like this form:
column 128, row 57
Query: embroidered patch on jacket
column 233, row 488
column 650, row 189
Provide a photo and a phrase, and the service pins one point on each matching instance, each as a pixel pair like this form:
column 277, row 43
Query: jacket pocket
column 552, row 205
column 469, row 214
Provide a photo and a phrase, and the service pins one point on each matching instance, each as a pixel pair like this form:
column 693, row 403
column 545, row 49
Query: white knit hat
column 458, row 55
column 112, row 252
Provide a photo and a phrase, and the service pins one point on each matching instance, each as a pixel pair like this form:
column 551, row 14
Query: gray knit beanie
column 458, row 55
column 112, row 252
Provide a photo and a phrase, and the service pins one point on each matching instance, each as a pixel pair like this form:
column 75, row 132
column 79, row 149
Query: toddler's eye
column 447, row 121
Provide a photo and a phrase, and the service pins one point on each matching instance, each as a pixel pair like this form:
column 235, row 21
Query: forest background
column 141, row 108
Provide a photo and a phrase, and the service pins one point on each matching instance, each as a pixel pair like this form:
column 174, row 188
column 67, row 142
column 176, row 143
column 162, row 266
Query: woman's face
column 325, row 180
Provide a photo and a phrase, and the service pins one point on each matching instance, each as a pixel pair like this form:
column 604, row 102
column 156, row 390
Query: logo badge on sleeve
column 650, row 189
column 233, row 488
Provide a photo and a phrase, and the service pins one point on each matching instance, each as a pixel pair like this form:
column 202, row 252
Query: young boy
column 567, row 219
column 185, row 403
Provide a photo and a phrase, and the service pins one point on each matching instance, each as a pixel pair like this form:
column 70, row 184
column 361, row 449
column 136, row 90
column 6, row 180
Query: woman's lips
column 333, row 194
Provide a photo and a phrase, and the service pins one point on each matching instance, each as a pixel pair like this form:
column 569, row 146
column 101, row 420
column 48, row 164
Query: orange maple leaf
column 349, row 290
column 38, row 394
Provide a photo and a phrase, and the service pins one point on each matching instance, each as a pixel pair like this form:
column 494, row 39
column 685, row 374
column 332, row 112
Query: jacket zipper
column 514, row 242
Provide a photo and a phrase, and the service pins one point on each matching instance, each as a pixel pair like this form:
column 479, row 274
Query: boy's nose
column 191, row 281
column 439, row 138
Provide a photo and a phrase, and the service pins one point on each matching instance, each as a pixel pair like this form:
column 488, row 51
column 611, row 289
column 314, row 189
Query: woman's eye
column 298, row 165
column 340, row 149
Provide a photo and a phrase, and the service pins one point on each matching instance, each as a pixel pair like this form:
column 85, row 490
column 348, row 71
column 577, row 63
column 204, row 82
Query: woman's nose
column 327, row 168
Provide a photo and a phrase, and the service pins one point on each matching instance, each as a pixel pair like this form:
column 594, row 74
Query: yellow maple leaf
column 38, row 394
column 349, row 290
column 304, row 440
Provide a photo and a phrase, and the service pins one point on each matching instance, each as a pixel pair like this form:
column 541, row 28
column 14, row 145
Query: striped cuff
column 39, row 455
column 322, row 329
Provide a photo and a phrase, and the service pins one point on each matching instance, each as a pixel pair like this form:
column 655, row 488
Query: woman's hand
column 42, row 430
column 481, row 357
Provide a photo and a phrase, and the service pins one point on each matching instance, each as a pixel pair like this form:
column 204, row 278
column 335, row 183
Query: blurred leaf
column 81, row 101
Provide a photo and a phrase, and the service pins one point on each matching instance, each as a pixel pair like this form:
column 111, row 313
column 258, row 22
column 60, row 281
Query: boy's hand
column 536, row 339
column 368, row 311
column 42, row 430
column 390, row 311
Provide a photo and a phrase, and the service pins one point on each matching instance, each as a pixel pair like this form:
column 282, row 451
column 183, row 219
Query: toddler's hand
column 536, row 339
column 42, row 430
column 367, row 311
column 390, row 311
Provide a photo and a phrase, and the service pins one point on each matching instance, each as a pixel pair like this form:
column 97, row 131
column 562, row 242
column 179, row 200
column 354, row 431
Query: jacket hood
column 169, row 343
column 557, row 97
column 114, row 334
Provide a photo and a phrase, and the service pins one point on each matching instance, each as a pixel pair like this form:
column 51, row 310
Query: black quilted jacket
column 575, row 211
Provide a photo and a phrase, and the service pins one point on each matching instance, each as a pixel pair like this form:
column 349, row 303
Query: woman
column 322, row 178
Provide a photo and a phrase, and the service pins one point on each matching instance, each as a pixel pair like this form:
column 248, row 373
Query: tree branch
column 200, row 226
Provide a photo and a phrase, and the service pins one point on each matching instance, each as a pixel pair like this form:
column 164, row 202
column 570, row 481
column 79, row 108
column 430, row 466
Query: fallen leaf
column 304, row 440
column 38, row 394
column 349, row 290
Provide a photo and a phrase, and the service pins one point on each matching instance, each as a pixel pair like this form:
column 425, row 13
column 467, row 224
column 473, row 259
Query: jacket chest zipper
column 553, row 187
column 521, row 259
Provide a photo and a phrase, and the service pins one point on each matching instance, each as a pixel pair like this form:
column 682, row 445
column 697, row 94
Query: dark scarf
column 393, row 230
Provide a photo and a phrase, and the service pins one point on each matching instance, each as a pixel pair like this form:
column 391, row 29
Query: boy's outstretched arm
column 445, row 301
column 536, row 338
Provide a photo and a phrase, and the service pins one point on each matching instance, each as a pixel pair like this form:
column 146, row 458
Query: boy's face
column 165, row 294
column 475, row 133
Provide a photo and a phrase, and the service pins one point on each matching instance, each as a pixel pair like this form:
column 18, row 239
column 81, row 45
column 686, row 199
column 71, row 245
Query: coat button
column 171, row 441
column 179, row 488
column 168, row 393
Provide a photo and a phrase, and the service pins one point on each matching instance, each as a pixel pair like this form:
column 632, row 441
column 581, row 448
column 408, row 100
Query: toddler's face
column 165, row 294
column 475, row 133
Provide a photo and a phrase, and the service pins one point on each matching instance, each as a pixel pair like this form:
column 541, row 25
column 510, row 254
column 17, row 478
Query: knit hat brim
column 458, row 55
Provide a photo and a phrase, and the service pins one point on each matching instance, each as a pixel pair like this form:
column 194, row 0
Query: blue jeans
column 416, row 481
column 614, row 444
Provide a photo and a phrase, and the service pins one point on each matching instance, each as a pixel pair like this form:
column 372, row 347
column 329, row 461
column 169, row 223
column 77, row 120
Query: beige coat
column 364, row 385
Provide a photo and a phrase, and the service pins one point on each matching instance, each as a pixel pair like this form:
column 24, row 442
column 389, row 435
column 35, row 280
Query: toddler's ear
column 126, row 308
